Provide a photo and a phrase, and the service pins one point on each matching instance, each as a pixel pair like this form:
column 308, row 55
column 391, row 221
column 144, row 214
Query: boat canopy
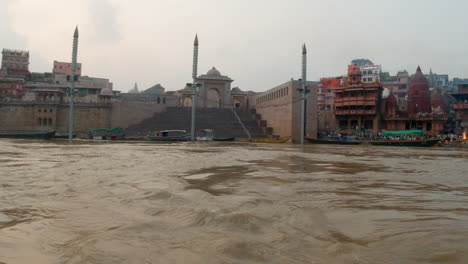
column 403, row 132
column 112, row 130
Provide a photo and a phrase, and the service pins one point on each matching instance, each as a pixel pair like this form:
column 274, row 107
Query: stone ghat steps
column 222, row 121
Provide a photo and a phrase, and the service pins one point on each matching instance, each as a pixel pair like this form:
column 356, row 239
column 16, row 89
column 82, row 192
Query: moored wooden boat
column 63, row 136
column 333, row 141
column 266, row 140
column 136, row 138
column 171, row 135
column 224, row 139
column 29, row 135
column 205, row 135
column 454, row 145
column 406, row 143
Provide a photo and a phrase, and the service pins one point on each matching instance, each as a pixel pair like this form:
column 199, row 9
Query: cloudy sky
column 255, row 42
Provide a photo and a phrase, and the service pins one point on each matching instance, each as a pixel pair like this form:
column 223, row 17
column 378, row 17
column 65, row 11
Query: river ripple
column 231, row 203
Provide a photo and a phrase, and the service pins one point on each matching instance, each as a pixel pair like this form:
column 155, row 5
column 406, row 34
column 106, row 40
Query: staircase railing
column 241, row 123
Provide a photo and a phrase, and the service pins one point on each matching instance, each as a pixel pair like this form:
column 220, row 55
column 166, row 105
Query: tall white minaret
column 304, row 88
column 71, row 120
column 194, row 84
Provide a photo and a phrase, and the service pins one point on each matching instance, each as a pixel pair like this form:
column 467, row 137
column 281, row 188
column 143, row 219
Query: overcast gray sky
column 255, row 42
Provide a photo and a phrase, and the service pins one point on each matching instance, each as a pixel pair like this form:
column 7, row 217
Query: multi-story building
column 438, row 80
column 398, row 86
column 326, row 93
column 15, row 63
column 357, row 104
column 461, row 107
column 326, row 103
column 371, row 74
column 455, row 84
column 11, row 89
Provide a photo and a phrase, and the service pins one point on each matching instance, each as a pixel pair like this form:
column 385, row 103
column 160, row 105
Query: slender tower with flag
column 304, row 90
column 194, row 84
column 72, row 84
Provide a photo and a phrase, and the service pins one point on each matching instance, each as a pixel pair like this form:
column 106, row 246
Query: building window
column 44, row 122
column 343, row 124
column 50, row 122
column 429, row 126
column 39, row 121
column 50, row 110
column 39, row 110
column 164, row 100
column 158, row 100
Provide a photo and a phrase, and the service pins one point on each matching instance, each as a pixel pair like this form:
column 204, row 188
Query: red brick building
column 357, row 104
column 359, row 107
column 420, row 114
column 419, row 97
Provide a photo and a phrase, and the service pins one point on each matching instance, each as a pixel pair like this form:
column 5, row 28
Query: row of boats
column 381, row 142
column 208, row 135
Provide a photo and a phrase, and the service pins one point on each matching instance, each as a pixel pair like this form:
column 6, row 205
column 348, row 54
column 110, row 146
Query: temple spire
column 76, row 34
column 304, row 49
column 195, row 42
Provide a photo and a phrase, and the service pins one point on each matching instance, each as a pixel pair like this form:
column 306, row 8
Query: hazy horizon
column 256, row 43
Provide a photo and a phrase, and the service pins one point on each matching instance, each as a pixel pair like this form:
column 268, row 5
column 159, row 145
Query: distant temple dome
column 213, row 72
column 106, row 92
column 419, row 97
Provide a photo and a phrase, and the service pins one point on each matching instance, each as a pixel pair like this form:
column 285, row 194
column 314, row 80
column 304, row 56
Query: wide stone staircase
column 222, row 121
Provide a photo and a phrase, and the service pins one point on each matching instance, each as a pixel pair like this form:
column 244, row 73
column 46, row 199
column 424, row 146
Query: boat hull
column 332, row 142
column 406, row 143
column 204, row 138
column 34, row 135
column 456, row 145
column 224, row 139
column 266, row 140
column 171, row 138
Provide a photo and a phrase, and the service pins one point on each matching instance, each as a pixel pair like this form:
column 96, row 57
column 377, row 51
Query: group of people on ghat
column 363, row 136
column 453, row 138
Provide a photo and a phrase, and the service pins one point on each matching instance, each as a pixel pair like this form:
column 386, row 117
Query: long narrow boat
column 30, row 135
column 224, row 139
column 266, row 140
column 171, row 135
column 454, row 145
column 406, row 143
column 333, row 141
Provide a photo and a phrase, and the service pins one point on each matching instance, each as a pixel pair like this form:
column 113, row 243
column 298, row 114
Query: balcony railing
column 355, row 112
column 354, row 102
column 460, row 106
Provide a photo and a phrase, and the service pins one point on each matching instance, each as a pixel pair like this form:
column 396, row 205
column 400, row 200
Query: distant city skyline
column 256, row 43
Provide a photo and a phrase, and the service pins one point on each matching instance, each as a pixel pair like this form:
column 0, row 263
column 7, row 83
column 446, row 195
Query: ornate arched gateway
column 214, row 90
column 213, row 98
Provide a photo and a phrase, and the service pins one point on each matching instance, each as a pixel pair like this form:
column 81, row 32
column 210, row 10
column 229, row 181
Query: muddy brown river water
column 231, row 203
